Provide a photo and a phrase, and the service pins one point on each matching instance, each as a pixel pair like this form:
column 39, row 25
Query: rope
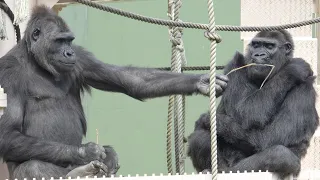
column 176, row 63
column 169, row 23
column 169, row 134
column 191, row 68
column 170, row 110
column 10, row 14
column 214, row 39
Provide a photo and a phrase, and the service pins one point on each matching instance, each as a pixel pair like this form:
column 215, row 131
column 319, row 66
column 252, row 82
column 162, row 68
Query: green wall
column 137, row 130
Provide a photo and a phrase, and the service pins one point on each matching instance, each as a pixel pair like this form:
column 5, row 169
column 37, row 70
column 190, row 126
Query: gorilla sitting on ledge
column 44, row 75
column 261, row 129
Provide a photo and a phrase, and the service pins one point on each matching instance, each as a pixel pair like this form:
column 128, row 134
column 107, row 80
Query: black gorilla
column 44, row 76
column 261, row 129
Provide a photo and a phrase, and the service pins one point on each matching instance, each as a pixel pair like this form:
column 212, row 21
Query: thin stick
column 236, row 69
column 272, row 67
column 254, row 64
column 97, row 136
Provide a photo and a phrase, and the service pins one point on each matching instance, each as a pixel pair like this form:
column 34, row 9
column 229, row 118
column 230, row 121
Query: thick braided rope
column 169, row 134
column 178, row 104
column 170, row 111
column 191, row 68
column 214, row 39
column 195, row 25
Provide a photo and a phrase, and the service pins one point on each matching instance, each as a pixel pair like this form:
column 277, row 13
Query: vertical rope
column 170, row 108
column 178, row 58
column 214, row 40
column 169, row 134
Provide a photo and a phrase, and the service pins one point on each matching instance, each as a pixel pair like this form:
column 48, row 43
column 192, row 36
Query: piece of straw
column 97, row 136
column 254, row 64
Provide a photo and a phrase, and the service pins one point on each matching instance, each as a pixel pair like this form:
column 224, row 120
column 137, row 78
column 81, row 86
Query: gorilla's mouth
column 66, row 63
column 260, row 61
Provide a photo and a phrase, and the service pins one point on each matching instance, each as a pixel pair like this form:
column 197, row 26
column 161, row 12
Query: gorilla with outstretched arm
column 44, row 76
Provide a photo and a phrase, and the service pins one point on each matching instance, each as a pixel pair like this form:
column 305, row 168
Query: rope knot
column 212, row 36
column 175, row 41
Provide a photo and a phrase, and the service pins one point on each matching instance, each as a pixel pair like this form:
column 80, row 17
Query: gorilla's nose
column 68, row 53
column 259, row 57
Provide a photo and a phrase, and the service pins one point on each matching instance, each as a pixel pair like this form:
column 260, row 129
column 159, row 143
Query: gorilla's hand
column 221, row 84
column 90, row 152
column 111, row 161
column 204, row 85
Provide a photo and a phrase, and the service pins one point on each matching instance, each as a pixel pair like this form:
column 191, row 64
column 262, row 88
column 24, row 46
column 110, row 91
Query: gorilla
column 44, row 77
column 267, row 128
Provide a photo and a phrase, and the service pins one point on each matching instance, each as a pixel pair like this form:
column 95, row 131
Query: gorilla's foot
column 206, row 171
column 94, row 168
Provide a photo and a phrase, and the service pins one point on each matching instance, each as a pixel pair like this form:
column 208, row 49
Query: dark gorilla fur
column 261, row 129
column 44, row 76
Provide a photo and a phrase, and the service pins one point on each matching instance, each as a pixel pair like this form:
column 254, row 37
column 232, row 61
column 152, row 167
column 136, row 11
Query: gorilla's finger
column 223, row 84
column 101, row 166
column 101, row 148
column 103, row 154
column 205, row 78
column 218, row 89
column 104, row 168
column 222, row 77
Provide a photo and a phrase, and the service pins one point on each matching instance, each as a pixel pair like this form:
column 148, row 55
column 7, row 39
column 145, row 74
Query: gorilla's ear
column 288, row 47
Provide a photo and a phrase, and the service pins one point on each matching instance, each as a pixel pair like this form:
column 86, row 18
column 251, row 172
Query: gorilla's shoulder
column 236, row 61
column 299, row 61
column 298, row 67
column 11, row 71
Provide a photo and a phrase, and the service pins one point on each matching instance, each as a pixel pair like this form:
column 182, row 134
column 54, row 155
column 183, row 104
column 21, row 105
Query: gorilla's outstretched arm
column 142, row 83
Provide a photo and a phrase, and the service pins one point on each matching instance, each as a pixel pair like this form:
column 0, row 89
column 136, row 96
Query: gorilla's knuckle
column 94, row 162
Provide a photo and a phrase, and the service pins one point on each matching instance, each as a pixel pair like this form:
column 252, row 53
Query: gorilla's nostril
column 260, row 54
column 68, row 53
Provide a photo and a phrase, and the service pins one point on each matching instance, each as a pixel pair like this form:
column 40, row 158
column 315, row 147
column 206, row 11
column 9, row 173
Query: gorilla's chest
column 53, row 112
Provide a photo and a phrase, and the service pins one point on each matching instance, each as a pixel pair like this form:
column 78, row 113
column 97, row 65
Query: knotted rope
column 177, row 102
column 214, row 38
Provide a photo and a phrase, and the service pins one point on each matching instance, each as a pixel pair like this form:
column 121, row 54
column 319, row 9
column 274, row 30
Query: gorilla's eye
column 36, row 34
column 255, row 45
column 269, row 45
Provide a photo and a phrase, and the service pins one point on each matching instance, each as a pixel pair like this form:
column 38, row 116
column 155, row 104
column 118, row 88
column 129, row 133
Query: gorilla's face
column 267, row 49
column 50, row 41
